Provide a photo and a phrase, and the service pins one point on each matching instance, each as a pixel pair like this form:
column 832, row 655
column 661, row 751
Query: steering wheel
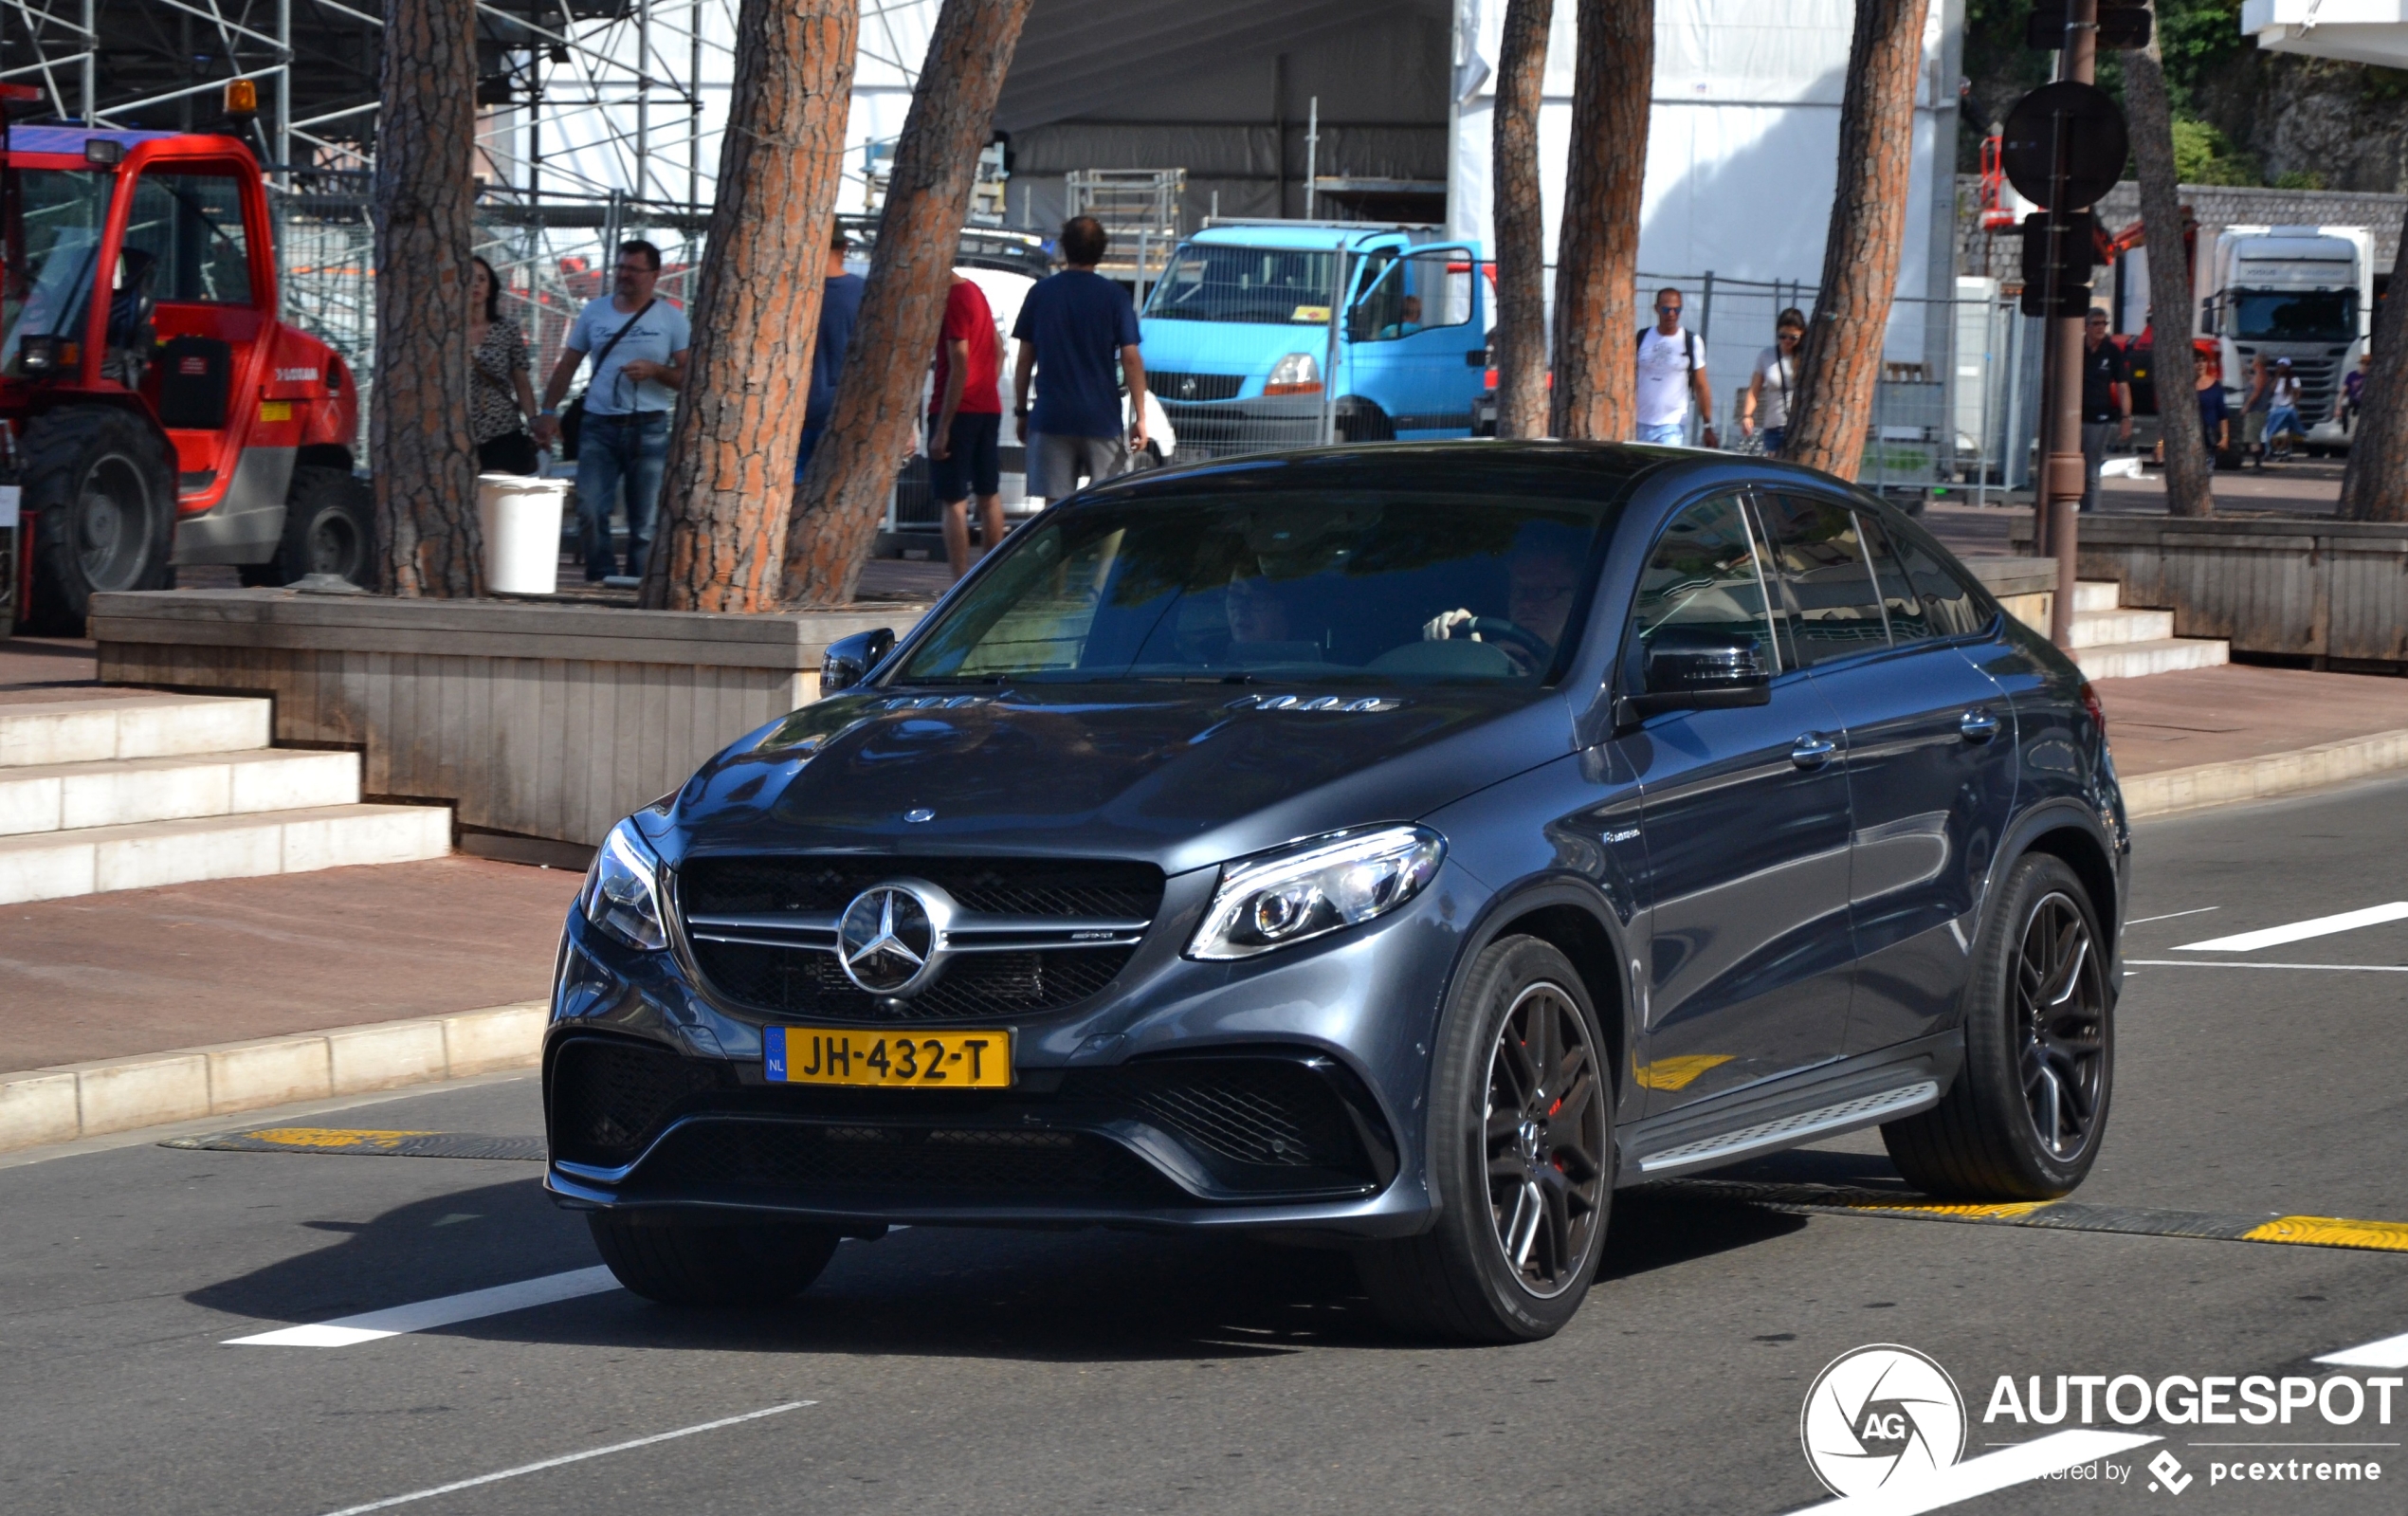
column 1534, row 649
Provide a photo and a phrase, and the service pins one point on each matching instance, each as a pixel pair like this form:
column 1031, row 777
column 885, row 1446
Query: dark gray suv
column 1404, row 845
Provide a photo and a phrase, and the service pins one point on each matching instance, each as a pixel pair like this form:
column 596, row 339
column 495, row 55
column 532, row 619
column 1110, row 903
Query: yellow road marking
column 2333, row 1232
column 331, row 1137
column 1981, row 1213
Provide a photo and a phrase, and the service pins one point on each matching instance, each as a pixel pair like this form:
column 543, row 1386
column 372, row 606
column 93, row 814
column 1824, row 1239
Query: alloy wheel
column 2060, row 1012
column 111, row 513
column 1545, row 1136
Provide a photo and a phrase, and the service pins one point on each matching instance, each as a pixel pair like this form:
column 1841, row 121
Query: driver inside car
column 1539, row 588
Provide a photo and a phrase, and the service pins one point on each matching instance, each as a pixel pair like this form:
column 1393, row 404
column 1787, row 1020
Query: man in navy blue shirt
column 1073, row 327
column 839, row 309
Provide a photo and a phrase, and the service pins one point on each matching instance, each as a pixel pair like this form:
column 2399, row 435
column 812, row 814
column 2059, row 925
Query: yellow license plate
column 928, row 1059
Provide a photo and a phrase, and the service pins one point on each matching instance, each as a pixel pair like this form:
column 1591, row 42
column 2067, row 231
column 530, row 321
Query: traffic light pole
column 2062, row 473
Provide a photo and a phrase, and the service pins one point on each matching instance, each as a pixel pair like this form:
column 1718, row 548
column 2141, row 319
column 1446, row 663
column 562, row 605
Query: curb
column 71, row 1101
column 2275, row 774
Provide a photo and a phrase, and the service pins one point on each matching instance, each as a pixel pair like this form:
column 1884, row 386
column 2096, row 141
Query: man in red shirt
column 966, row 413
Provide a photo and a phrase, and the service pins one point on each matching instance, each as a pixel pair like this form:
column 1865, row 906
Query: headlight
column 1296, row 373
column 1311, row 888
column 620, row 895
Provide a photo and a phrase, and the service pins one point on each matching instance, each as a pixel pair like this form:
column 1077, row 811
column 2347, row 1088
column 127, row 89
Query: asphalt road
column 971, row 1372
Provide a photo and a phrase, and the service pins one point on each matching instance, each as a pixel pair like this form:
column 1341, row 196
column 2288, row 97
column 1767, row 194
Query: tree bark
column 1521, row 334
column 1839, row 362
column 2173, row 365
column 2374, row 487
column 418, row 437
column 731, row 464
column 1598, row 244
column 843, row 495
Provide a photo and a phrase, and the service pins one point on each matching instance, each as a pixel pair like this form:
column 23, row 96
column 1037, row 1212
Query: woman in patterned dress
column 499, row 396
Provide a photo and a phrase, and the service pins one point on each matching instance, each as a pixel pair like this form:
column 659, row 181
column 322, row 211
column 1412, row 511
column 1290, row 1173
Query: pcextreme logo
column 1881, row 1415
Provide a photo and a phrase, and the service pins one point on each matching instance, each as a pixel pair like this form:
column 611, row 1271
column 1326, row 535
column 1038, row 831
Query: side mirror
column 849, row 660
column 1703, row 668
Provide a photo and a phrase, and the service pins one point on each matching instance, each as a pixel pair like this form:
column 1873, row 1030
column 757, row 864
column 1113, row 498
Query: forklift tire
column 105, row 487
column 330, row 527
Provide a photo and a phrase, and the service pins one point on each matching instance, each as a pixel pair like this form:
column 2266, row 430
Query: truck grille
column 1172, row 384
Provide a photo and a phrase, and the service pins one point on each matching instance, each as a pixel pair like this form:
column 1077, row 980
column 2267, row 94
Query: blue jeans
column 811, row 445
column 615, row 451
column 1669, row 432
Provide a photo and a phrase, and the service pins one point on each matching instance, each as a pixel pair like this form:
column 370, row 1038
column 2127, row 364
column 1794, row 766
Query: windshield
column 51, row 244
column 1375, row 588
column 2295, row 316
column 1208, row 283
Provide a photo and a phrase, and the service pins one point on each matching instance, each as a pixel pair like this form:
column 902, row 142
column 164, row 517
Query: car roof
column 1505, row 469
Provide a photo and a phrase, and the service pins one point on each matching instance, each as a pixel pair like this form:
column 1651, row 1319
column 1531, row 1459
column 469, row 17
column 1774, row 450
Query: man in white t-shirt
column 1672, row 370
column 638, row 343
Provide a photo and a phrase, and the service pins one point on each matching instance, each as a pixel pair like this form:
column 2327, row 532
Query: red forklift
column 154, row 412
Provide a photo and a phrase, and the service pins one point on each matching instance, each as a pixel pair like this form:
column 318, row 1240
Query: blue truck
column 1265, row 335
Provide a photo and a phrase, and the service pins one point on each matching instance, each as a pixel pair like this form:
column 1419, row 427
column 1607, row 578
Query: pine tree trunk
column 843, row 492
column 731, row 464
column 2374, row 487
column 1598, row 244
column 1521, row 334
column 1839, row 362
column 419, row 442
column 2173, row 365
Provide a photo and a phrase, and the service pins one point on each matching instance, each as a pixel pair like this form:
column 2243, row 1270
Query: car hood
column 1182, row 777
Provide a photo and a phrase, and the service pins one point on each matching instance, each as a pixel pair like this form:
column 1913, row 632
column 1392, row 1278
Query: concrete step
column 2099, row 629
column 2130, row 660
column 2097, row 594
column 52, row 865
column 67, row 797
column 129, row 726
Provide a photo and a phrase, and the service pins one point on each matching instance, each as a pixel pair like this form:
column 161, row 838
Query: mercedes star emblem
column 890, row 938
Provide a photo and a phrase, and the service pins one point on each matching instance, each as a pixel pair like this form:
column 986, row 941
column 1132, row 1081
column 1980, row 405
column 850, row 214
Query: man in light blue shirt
column 638, row 343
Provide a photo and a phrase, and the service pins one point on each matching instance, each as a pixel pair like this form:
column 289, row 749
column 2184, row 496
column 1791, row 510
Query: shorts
column 972, row 467
column 1671, row 433
column 1062, row 462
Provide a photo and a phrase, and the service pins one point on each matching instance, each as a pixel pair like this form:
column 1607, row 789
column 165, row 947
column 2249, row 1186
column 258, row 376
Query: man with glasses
column 639, row 343
column 2107, row 401
column 1671, row 370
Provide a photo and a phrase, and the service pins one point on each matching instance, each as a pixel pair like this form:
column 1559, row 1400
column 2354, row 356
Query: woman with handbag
column 501, row 397
column 1766, row 398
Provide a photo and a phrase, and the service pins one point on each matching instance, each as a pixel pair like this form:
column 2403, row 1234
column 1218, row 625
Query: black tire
column 104, row 484
column 1362, row 420
column 1547, row 1165
column 679, row 1262
column 330, row 527
column 2039, row 1053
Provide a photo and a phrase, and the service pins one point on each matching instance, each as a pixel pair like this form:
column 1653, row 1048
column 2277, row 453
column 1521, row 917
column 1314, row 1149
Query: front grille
column 1258, row 1123
column 609, row 1098
column 1002, row 886
column 1172, row 384
column 808, row 982
column 906, row 1165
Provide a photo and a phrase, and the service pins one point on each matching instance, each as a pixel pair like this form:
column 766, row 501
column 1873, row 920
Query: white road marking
column 2299, row 931
column 1991, row 1472
column 2170, row 915
column 569, row 1457
column 2209, row 963
column 427, row 1314
column 2391, row 1353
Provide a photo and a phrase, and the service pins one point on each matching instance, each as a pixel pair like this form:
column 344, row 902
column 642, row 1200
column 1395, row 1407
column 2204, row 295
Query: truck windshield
column 1210, row 283
column 1370, row 588
column 2294, row 315
column 51, row 246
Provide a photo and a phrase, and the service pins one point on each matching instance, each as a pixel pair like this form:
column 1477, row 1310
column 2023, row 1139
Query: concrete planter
column 2302, row 586
column 540, row 724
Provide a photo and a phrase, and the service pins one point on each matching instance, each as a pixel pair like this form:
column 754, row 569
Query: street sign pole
column 2062, row 472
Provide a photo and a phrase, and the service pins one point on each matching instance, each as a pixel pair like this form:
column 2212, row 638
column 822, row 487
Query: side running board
column 1789, row 1131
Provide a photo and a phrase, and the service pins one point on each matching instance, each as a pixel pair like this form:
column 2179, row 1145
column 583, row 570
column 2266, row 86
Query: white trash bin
column 521, row 519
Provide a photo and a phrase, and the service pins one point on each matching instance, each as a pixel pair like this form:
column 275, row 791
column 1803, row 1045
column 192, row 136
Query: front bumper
column 1285, row 1093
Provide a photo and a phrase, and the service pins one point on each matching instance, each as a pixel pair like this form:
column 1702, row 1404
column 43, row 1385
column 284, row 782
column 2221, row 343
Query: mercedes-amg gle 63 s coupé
column 1396, row 849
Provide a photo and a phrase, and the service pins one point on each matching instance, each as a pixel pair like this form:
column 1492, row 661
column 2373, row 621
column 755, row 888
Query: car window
column 1705, row 573
column 1338, row 587
column 1827, row 586
column 1949, row 605
column 1899, row 602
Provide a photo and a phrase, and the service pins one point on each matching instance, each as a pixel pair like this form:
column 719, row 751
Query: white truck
column 2301, row 293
